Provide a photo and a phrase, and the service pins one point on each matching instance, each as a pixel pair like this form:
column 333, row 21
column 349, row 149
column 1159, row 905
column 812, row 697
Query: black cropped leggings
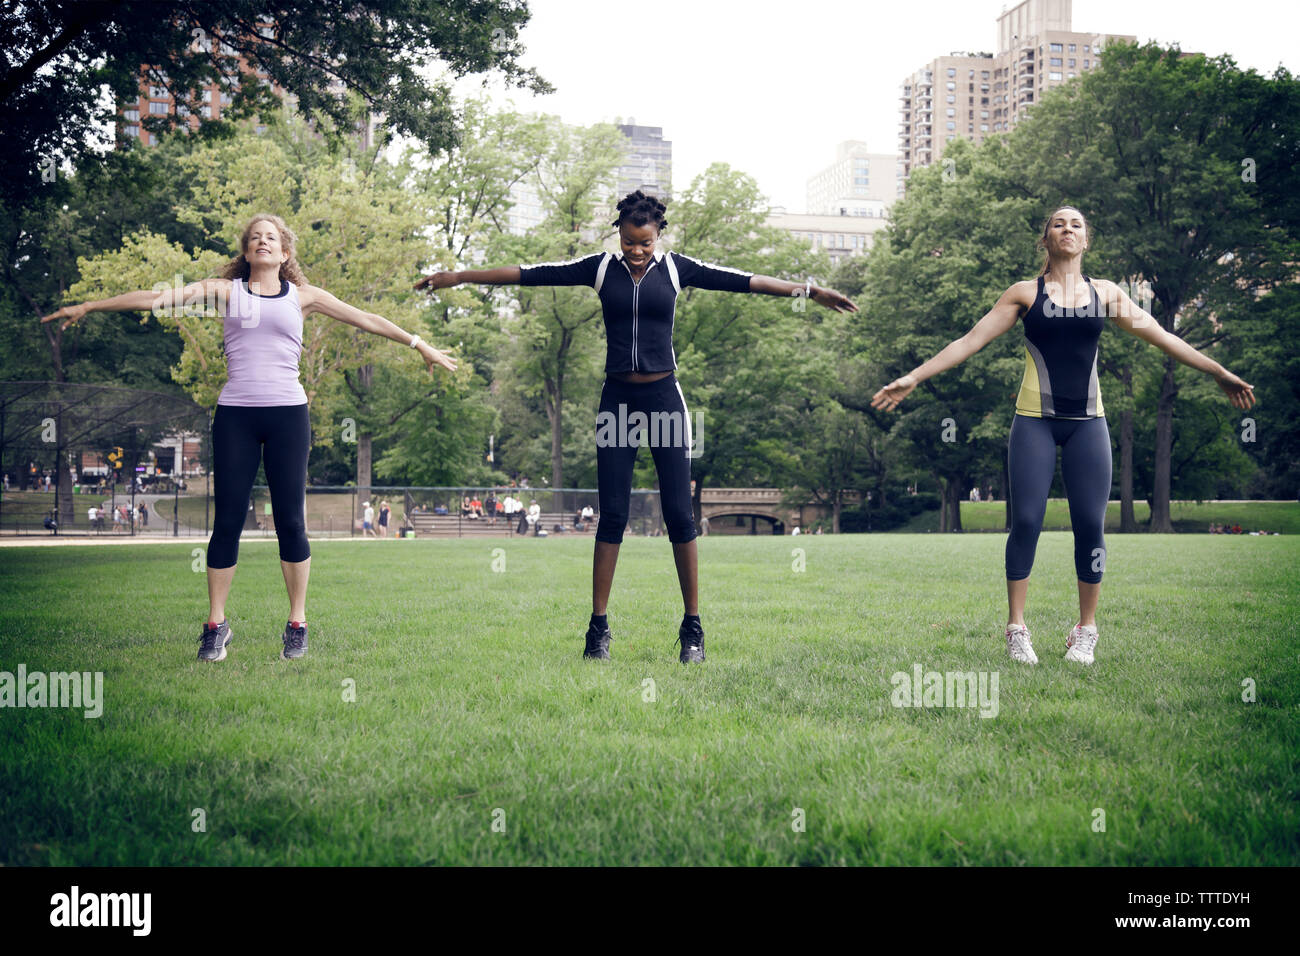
column 632, row 415
column 279, row 435
column 1086, row 470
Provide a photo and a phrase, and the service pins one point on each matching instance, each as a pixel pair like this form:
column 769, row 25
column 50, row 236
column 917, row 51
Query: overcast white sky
column 772, row 87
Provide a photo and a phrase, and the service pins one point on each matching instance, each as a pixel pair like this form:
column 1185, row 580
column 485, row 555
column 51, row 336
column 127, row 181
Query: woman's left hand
column 832, row 300
column 1239, row 393
column 433, row 357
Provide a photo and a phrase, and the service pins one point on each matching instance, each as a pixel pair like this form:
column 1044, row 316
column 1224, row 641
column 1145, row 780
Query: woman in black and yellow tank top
column 1060, row 405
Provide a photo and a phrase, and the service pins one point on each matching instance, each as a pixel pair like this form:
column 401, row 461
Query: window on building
column 158, row 92
column 1054, row 76
column 1086, row 66
column 132, row 115
column 1085, row 49
column 984, row 127
column 984, row 114
column 951, row 125
column 1071, row 47
column 952, row 98
column 1055, row 61
column 133, row 131
column 206, row 111
column 1056, row 47
column 158, row 109
column 951, row 111
column 951, row 71
column 952, row 86
column 984, row 74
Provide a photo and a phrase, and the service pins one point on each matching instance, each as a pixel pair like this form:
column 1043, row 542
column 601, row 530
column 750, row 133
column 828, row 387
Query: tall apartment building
column 647, row 161
column 973, row 95
column 858, row 183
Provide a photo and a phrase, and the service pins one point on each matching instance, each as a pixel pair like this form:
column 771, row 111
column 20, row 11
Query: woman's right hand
column 893, row 393
column 69, row 313
column 439, row 280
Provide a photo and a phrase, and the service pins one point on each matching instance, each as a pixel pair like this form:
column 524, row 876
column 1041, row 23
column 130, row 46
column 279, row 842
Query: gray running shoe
column 295, row 641
column 213, row 641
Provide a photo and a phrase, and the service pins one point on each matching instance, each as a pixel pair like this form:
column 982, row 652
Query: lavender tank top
column 263, row 337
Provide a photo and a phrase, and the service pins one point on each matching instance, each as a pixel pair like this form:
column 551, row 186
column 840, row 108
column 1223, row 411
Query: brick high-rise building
column 974, row 94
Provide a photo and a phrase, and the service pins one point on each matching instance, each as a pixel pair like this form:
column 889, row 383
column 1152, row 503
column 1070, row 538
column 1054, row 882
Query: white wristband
column 415, row 341
column 807, row 289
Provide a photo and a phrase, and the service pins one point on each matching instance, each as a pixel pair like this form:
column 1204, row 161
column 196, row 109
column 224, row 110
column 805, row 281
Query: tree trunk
column 1127, row 519
column 950, row 504
column 363, row 470
column 1160, row 521
column 364, row 476
column 836, row 507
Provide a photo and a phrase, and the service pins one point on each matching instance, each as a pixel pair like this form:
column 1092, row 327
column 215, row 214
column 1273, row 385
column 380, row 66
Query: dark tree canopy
column 59, row 54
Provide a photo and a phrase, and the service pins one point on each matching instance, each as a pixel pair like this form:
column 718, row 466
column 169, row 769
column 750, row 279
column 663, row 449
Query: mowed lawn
column 478, row 735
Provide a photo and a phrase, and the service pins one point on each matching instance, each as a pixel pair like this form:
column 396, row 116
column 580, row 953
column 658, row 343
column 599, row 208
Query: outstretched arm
column 766, row 285
column 1136, row 321
column 997, row 320
column 155, row 300
column 318, row 300
column 507, row 275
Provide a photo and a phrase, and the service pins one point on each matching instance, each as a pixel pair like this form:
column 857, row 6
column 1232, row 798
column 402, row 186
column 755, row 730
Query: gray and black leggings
column 243, row 437
column 1085, row 468
column 664, row 425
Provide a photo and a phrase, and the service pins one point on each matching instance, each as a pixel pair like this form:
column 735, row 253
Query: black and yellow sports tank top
column 1061, row 358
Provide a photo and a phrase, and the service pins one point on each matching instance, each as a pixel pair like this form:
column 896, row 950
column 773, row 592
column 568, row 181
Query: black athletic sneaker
column 213, row 641
column 691, row 636
column 295, row 641
column 598, row 643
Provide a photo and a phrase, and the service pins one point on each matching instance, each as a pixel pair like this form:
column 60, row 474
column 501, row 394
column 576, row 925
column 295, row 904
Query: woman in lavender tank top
column 261, row 416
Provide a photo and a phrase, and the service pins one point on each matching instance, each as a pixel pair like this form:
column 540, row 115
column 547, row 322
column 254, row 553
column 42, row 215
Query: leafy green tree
column 59, row 54
column 554, row 347
column 752, row 366
column 1186, row 166
column 954, row 244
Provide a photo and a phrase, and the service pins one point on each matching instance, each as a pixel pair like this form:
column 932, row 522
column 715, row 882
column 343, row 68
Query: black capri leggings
column 664, row 425
column 239, row 434
column 1085, row 467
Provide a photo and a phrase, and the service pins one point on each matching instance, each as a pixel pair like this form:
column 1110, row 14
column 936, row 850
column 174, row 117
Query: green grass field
column 1190, row 517
column 479, row 736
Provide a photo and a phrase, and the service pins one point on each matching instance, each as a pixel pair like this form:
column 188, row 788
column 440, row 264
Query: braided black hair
column 638, row 209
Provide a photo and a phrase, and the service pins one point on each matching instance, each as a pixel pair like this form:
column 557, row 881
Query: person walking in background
column 384, row 512
column 368, row 520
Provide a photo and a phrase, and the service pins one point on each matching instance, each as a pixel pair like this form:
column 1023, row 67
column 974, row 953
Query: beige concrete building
column 858, row 183
column 837, row 236
column 974, row 95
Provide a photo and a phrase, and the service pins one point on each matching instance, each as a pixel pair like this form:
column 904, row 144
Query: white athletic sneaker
column 1079, row 645
column 1019, row 646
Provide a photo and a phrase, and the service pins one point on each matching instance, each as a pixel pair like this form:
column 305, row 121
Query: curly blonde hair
column 238, row 267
